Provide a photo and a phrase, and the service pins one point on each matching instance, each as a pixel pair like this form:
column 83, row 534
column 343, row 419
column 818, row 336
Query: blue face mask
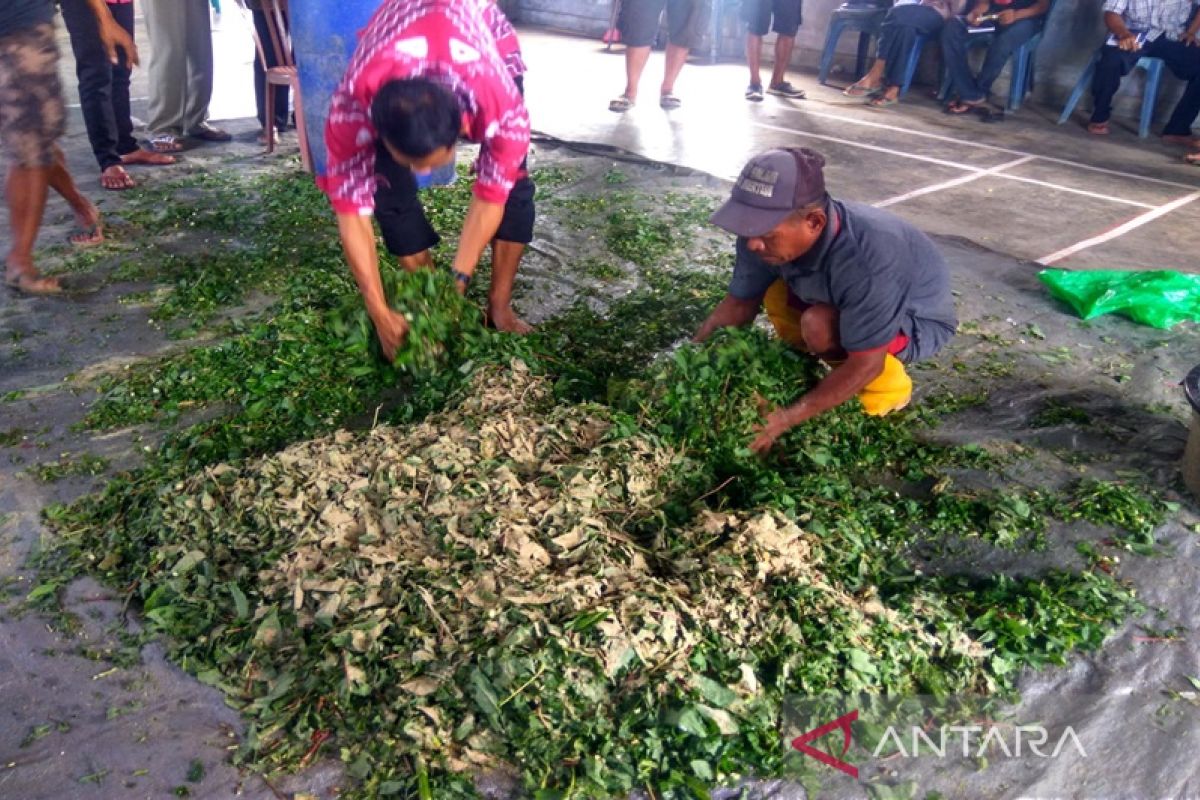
column 444, row 175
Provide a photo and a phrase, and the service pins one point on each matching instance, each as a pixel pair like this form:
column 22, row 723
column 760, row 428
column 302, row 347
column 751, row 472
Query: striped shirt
column 469, row 47
column 1155, row 17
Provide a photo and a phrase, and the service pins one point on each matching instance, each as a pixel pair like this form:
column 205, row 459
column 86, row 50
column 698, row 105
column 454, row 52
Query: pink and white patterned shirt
column 469, row 47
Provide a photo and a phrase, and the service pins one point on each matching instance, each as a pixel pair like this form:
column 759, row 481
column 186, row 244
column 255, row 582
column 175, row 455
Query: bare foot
column 507, row 321
column 1098, row 128
column 28, row 281
column 115, row 178
column 149, row 157
column 1187, row 141
column 1193, row 159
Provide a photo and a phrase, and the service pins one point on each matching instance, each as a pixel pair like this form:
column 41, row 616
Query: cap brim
column 747, row 221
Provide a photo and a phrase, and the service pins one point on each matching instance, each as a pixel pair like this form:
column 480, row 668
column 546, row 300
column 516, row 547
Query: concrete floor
column 1026, row 187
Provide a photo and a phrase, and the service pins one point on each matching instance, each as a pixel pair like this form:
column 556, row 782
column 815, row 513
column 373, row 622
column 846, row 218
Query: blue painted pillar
column 324, row 36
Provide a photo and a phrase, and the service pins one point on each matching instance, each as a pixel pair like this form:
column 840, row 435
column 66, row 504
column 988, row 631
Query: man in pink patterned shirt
column 426, row 72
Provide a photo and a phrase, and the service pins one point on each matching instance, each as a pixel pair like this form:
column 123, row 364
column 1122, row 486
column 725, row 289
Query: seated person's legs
column 1184, row 62
column 1114, row 64
column 1004, row 44
column 907, row 23
column 955, row 54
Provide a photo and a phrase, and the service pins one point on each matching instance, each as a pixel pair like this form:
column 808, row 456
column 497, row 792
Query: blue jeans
column 1005, row 41
column 898, row 36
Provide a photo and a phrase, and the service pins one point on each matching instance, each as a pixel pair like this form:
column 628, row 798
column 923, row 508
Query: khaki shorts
column 32, row 114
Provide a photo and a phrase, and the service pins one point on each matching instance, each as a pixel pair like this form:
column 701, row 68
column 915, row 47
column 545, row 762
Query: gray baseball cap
column 771, row 186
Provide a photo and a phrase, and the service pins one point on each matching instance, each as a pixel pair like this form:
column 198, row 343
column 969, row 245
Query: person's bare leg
column 874, row 77
column 25, row 193
column 87, row 216
column 754, row 58
column 506, row 259
column 676, row 57
column 783, row 57
column 635, row 65
column 421, row 260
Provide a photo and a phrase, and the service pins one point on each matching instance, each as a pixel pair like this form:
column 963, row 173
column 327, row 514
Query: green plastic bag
column 1160, row 299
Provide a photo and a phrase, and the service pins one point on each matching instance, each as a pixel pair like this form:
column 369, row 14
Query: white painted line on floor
column 877, row 148
column 1119, row 230
column 959, row 181
column 978, row 171
column 981, row 146
column 1060, row 188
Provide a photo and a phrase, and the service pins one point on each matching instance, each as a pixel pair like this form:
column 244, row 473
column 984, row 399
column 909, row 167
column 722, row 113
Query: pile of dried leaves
column 523, row 586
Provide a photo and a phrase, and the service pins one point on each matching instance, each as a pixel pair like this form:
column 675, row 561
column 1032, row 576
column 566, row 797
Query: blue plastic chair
column 1153, row 68
column 1023, row 64
column 914, row 58
column 864, row 17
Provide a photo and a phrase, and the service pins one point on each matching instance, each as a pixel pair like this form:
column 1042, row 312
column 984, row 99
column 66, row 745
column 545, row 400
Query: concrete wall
column 1073, row 33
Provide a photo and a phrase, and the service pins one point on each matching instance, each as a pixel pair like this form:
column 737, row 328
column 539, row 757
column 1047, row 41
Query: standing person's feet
column 27, row 279
column 754, row 92
column 262, row 135
column 669, row 101
column 621, row 104
column 1193, row 159
column 89, row 229
column 115, row 179
column 507, row 321
column 1186, row 141
column 147, row 157
column 209, row 134
column 1098, row 128
column 785, row 89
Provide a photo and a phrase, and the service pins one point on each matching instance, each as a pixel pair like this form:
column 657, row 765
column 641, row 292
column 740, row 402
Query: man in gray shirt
column 848, row 283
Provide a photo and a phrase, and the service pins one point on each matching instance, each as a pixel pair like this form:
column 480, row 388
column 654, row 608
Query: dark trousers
column 1005, row 41
column 898, row 36
column 1182, row 60
column 260, row 75
column 103, row 86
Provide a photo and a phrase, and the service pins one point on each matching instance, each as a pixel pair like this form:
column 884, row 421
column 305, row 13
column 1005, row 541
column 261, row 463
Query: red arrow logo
column 801, row 743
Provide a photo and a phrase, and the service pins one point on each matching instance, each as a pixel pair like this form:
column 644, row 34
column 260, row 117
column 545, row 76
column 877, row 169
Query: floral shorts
column 32, row 114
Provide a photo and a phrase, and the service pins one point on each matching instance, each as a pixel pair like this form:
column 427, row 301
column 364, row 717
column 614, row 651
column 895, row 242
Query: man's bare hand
column 973, row 17
column 1128, row 43
column 1192, row 39
column 113, row 36
column 391, row 327
column 775, row 425
column 1006, row 18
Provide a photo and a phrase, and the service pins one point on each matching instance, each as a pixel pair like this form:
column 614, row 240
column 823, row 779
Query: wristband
column 462, row 277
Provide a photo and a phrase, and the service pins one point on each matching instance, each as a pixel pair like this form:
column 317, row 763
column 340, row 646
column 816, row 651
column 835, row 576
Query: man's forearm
column 1116, row 24
column 843, row 383
column 729, row 313
column 358, row 243
column 479, row 228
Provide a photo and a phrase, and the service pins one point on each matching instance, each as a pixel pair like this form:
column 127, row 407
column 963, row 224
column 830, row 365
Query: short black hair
column 416, row 116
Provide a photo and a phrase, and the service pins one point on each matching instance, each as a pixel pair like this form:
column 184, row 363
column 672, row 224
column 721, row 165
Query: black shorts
column 758, row 14
column 406, row 229
column 686, row 19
